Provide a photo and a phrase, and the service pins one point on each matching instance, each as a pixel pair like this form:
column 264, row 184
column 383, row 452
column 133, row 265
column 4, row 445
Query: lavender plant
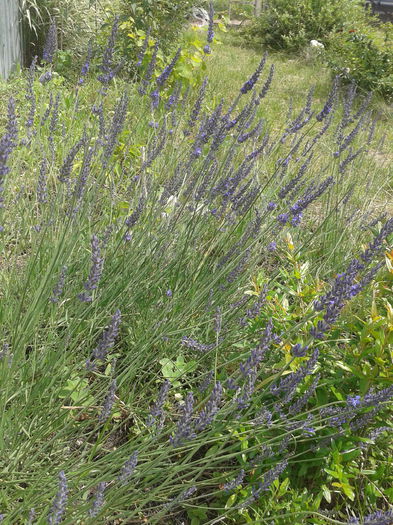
column 167, row 224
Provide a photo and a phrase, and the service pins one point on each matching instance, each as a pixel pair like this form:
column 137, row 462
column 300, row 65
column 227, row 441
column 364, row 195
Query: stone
column 199, row 16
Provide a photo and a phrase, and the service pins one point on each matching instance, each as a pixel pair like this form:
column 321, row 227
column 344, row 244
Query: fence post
column 257, row 7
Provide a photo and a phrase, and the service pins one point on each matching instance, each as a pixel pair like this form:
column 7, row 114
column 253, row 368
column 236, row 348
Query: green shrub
column 165, row 18
column 365, row 58
column 291, row 25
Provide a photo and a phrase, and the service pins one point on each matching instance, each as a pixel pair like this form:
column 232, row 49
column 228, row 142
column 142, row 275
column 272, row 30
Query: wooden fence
column 10, row 37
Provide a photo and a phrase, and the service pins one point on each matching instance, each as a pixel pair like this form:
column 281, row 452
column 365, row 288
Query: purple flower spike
column 247, row 86
column 50, row 46
column 210, row 31
column 58, row 508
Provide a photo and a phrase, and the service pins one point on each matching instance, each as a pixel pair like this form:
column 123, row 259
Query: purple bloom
column 143, row 48
column 231, row 485
column 59, row 504
column 272, row 247
column 266, row 86
column 155, row 100
column 149, row 72
column 50, row 46
column 108, row 403
column 7, row 144
column 283, row 218
column 247, row 86
column 169, row 293
column 108, row 337
column 156, row 411
column 328, row 107
column 98, row 499
column 128, row 468
column 107, row 66
column 268, row 479
column 46, row 77
column 168, row 70
column 271, row 206
column 97, row 263
column 197, row 108
column 184, row 430
column 66, row 169
column 58, row 289
column 207, row 50
column 86, row 66
column 42, row 190
column 207, row 415
column 210, row 31
column 195, row 345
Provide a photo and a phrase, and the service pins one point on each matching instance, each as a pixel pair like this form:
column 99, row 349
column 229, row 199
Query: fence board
column 10, row 37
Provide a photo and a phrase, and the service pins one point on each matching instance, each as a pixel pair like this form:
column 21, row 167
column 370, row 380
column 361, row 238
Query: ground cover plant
column 177, row 277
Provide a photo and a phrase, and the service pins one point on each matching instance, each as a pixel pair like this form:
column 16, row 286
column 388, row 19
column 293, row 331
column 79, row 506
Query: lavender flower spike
column 50, row 46
column 128, row 467
column 107, row 66
column 247, row 86
column 143, row 48
column 97, row 263
column 206, row 415
column 168, row 69
column 58, row 289
column 108, row 404
column 156, row 410
column 59, row 503
column 328, row 107
column 108, row 337
column 210, row 31
column 98, row 499
column 184, row 427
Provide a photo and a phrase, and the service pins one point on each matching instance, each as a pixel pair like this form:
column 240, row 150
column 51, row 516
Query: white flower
column 315, row 43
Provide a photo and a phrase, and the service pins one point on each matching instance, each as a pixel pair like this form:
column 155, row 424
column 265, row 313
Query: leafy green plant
column 291, row 26
column 365, row 58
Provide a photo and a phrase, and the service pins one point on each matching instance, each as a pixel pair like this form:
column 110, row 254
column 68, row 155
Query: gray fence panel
column 10, row 37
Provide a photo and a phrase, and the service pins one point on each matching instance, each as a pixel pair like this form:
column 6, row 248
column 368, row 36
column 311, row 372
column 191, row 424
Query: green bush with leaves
column 166, row 19
column 364, row 57
column 290, row 26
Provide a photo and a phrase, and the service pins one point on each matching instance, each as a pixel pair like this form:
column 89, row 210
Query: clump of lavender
column 97, row 263
column 50, row 46
column 59, row 504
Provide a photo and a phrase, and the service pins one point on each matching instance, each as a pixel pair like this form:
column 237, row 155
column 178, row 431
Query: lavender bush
column 164, row 212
